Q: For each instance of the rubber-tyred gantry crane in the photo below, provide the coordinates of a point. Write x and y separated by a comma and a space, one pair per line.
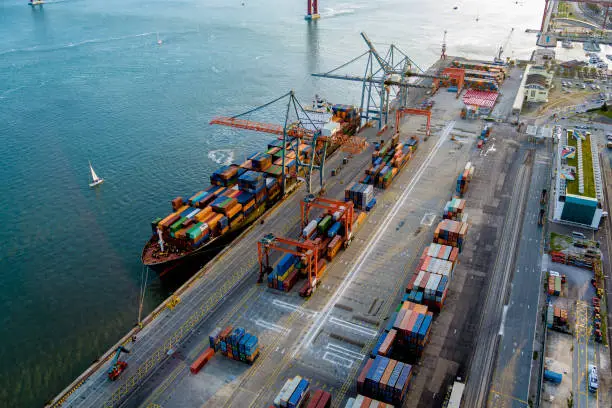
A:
345, 211
307, 251
410, 111
382, 74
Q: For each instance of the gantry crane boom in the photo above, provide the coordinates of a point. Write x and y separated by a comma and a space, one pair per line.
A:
503, 47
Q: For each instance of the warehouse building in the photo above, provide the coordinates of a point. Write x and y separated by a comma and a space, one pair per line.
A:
534, 87
579, 194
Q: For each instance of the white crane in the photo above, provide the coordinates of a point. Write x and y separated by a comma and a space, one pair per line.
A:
498, 58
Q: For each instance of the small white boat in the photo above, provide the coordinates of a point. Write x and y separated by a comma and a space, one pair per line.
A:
96, 180
159, 41
36, 3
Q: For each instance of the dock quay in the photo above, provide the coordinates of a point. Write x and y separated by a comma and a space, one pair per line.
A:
328, 336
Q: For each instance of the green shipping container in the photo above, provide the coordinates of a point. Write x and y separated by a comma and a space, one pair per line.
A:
194, 231
325, 224
156, 221
557, 284
387, 176
177, 225
275, 170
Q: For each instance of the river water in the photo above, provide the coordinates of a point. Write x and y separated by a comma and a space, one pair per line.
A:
87, 80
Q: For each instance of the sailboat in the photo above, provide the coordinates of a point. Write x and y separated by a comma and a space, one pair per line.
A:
96, 180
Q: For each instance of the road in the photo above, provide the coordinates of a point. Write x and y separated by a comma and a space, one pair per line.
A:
512, 375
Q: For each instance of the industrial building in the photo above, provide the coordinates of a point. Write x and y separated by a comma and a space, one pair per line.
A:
534, 87
578, 195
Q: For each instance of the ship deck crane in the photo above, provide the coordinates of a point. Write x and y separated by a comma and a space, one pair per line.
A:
498, 59
381, 74
292, 132
117, 366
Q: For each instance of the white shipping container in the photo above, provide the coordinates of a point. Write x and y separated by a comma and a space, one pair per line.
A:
289, 391
350, 403
282, 392
358, 401
418, 279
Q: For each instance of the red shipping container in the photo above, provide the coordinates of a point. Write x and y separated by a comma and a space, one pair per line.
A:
201, 360
314, 401
325, 400
366, 402
410, 285
362, 375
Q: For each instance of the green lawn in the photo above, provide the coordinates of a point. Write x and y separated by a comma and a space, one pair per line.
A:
589, 177
607, 113
559, 242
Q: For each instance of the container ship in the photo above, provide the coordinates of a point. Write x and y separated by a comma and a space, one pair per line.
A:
238, 195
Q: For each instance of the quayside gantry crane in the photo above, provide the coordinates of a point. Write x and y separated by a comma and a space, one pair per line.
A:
382, 74
300, 128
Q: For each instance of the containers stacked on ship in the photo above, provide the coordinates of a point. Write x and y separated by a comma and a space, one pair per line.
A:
385, 380
293, 394
226, 176
236, 344
284, 275
347, 116
464, 179
449, 232
454, 209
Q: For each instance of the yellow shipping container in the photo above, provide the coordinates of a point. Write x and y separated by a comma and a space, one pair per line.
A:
205, 213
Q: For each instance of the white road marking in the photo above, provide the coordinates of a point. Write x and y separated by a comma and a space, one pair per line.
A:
272, 326
342, 350
302, 311
354, 327
347, 362
376, 237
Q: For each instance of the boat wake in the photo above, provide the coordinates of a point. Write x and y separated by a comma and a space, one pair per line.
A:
76, 44
224, 157
342, 9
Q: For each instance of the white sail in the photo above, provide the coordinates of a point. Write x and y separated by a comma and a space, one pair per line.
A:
93, 174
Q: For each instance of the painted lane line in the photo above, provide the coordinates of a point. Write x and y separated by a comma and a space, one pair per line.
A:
354, 327
301, 311
272, 326
342, 350
354, 272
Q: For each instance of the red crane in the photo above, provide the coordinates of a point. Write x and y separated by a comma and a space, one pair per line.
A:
345, 209
312, 10
410, 111
307, 251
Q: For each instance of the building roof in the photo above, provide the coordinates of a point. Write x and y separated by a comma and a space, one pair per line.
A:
537, 79
480, 98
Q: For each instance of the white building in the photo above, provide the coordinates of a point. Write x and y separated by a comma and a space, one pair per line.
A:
534, 87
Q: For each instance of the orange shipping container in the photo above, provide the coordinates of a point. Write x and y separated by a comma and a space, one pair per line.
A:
204, 213
235, 209
201, 361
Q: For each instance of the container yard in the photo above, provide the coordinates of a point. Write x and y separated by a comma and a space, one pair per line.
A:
397, 297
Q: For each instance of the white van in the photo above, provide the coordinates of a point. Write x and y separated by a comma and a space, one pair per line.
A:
593, 380
578, 235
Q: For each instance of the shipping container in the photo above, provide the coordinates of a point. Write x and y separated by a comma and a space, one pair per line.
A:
201, 361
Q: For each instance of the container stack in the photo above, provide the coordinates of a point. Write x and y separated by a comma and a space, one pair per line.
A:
449, 232
363, 401
236, 344
320, 399
360, 194
226, 176
261, 161
554, 285
464, 179
333, 247
293, 394
559, 317
385, 380
388, 160
284, 275
413, 325
251, 182
454, 210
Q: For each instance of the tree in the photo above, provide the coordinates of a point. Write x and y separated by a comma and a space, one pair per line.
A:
593, 71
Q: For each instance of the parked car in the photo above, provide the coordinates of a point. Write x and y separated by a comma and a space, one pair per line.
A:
593, 379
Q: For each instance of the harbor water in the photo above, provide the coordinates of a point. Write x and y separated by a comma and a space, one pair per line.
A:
131, 87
